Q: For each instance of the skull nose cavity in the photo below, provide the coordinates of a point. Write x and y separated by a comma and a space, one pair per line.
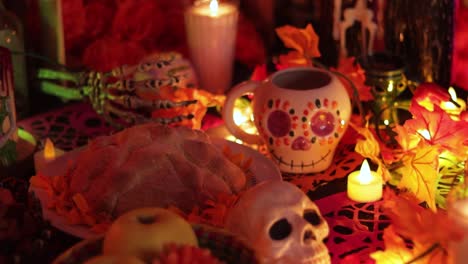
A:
300, 143
309, 236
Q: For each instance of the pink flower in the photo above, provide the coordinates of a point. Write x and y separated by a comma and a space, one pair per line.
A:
249, 45
109, 52
6, 198
74, 21
138, 20
98, 18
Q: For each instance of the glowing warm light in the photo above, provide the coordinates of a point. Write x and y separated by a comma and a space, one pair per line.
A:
214, 7
240, 116
425, 134
49, 150
44, 157
243, 117
386, 122
390, 86
342, 122
365, 185
452, 93
364, 176
452, 109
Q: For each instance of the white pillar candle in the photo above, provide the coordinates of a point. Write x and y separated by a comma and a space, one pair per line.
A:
365, 185
211, 32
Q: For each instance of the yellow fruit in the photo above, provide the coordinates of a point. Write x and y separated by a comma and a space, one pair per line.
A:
144, 233
113, 259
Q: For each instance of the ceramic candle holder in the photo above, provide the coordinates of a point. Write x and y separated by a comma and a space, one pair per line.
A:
301, 114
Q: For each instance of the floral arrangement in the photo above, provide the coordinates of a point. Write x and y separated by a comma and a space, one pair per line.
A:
423, 166
104, 34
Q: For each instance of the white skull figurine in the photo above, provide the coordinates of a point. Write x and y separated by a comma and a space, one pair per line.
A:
280, 223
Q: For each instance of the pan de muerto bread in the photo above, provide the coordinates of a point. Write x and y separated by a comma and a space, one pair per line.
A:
152, 165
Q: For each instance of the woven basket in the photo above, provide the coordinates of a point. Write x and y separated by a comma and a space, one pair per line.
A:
222, 245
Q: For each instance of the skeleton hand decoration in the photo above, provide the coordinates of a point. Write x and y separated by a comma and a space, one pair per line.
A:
134, 94
280, 223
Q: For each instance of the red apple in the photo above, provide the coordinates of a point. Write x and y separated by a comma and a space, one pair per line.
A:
144, 233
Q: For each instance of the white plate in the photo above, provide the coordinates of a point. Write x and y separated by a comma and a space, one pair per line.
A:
262, 169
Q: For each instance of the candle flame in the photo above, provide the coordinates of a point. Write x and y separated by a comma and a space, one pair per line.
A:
49, 150
365, 175
214, 7
452, 93
240, 116
425, 134
390, 86
243, 117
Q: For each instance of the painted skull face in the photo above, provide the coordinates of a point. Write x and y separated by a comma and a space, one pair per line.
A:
302, 132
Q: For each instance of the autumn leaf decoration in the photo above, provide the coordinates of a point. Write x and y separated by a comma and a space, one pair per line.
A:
416, 235
304, 44
304, 41
423, 139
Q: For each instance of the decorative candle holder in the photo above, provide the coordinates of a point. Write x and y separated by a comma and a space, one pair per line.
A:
211, 28
385, 76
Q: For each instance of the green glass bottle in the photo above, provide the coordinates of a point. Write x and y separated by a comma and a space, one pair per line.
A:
8, 127
11, 37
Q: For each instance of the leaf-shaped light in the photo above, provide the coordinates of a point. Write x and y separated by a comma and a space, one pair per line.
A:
440, 129
423, 227
419, 173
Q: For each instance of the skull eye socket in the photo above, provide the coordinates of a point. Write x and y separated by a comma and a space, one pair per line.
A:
279, 123
280, 230
312, 217
322, 123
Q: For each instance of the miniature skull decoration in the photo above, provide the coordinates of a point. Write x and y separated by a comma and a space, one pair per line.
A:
280, 223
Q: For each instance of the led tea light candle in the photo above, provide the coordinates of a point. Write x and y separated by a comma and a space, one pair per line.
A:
44, 157
211, 28
452, 109
365, 185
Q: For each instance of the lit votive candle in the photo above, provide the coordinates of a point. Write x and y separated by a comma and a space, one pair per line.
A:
365, 185
211, 28
452, 109
44, 157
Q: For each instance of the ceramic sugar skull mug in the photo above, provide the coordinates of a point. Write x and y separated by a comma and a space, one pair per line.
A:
301, 114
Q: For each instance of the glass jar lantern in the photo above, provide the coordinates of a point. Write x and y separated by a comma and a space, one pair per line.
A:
386, 78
